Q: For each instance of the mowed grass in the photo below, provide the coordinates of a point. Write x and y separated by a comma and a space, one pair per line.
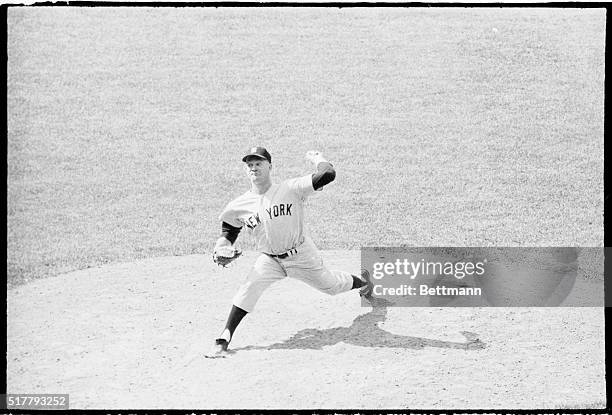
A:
448, 127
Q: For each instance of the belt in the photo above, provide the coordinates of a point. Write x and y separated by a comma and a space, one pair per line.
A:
290, 252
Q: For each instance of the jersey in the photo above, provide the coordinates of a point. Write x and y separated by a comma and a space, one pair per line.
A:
276, 217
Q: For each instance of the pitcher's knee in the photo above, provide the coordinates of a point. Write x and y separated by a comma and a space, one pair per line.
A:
333, 290
246, 302
248, 295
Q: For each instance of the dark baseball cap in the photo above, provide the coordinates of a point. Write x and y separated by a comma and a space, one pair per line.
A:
258, 152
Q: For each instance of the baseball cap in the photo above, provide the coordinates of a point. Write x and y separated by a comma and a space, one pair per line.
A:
259, 152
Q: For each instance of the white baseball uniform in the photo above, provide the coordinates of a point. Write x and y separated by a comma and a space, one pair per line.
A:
276, 219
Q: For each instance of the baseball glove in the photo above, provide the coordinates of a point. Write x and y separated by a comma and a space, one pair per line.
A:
225, 255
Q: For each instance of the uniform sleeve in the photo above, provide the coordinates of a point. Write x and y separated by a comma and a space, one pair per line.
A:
301, 185
230, 216
229, 232
325, 174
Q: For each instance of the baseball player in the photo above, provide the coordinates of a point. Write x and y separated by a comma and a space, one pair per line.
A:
274, 213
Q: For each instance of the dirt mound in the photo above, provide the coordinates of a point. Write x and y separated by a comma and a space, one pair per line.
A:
133, 335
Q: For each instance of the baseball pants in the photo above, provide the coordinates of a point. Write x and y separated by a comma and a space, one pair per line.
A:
306, 265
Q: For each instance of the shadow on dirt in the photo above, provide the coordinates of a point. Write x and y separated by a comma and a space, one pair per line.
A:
365, 332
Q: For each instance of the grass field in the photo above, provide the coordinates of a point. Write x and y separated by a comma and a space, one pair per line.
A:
447, 126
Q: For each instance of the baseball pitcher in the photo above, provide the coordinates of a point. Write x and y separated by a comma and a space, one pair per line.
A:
275, 215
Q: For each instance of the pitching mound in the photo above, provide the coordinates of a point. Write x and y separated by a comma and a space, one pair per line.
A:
133, 336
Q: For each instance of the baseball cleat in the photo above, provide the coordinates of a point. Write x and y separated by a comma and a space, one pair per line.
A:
366, 290
218, 350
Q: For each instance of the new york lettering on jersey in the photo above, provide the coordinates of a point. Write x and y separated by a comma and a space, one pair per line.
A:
281, 209
252, 221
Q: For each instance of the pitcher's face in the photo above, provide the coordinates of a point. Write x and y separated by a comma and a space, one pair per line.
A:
258, 170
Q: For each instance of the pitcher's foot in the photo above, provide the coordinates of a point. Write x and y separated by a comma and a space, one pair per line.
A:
219, 349
366, 290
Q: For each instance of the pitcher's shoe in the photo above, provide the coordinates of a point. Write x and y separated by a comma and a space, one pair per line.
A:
218, 350
366, 290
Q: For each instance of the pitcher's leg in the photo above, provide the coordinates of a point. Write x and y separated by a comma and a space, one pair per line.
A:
264, 273
342, 281
308, 267
335, 281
